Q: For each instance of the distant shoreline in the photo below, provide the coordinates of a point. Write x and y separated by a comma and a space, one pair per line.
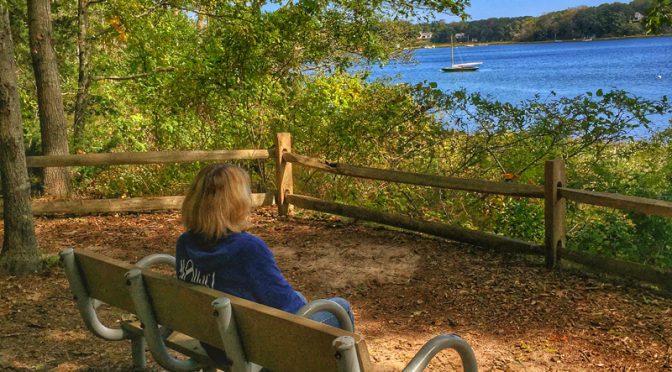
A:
447, 45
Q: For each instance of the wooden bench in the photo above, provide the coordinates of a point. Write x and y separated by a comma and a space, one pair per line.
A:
252, 335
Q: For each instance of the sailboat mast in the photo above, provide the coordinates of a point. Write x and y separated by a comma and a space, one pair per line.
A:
452, 46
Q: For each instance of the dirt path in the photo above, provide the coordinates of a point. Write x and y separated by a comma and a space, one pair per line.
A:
404, 288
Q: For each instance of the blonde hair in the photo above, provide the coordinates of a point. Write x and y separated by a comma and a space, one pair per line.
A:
218, 202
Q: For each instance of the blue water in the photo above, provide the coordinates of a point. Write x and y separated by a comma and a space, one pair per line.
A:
515, 72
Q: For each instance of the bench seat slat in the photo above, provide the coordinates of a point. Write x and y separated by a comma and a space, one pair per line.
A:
272, 338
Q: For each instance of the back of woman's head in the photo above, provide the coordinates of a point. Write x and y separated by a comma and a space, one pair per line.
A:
218, 202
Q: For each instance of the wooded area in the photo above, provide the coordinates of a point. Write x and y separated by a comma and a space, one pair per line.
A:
605, 20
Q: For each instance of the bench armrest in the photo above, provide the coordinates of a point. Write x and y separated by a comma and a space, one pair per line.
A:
329, 306
439, 343
87, 305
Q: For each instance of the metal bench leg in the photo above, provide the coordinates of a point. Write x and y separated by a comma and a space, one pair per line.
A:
226, 323
438, 343
151, 330
346, 355
85, 303
87, 309
138, 353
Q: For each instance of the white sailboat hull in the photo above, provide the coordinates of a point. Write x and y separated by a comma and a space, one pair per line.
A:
468, 64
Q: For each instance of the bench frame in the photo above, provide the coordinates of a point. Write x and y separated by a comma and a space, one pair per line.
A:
149, 334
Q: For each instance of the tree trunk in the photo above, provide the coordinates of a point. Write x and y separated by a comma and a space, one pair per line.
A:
53, 127
19, 253
81, 101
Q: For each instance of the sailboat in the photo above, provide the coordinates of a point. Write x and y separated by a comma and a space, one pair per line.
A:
459, 67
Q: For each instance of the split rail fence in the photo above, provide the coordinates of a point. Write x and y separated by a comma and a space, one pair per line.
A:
554, 192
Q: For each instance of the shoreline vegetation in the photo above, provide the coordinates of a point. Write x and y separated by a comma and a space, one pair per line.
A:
475, 44
606, 21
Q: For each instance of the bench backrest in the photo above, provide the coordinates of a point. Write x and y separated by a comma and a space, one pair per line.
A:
272, 338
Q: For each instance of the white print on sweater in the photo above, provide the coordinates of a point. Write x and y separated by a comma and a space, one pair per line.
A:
189, 273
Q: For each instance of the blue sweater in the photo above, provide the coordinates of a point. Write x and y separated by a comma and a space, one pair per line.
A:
239, 264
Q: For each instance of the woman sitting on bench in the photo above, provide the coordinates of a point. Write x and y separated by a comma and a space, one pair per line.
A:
216, 252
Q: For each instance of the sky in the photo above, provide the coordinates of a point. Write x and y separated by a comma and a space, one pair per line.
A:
482, 9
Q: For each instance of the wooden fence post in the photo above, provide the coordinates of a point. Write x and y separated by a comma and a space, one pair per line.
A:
554, 211
283, 172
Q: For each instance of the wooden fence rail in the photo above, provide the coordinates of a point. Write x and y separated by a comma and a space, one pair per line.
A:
631, 203
143, 204
621, 268
475, 237
454, 183
156, 157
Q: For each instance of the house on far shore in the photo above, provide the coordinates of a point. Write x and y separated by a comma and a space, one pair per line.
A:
424, 36
638, 17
